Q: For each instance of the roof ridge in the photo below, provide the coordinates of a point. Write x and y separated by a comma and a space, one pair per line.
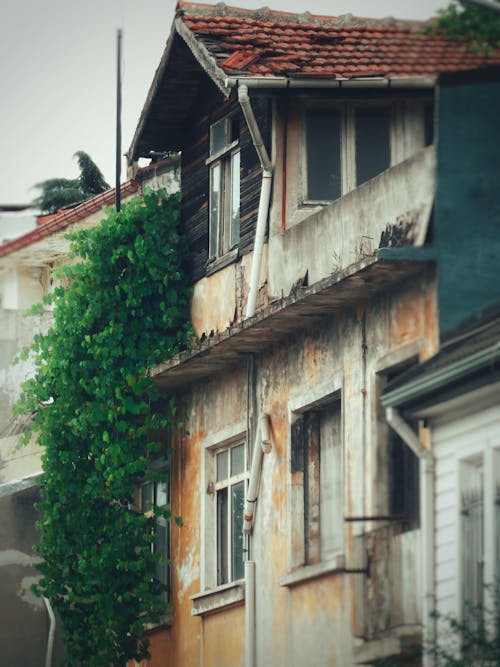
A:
220, 9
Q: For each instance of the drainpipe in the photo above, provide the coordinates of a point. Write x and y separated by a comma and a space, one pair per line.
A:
265, 194
52, 629
426, 462
262, 446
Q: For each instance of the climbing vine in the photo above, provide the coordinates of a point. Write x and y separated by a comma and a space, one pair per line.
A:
96, 413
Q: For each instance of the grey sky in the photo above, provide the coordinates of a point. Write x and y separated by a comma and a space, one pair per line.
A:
58, 76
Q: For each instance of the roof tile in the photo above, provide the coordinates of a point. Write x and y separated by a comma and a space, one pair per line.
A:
274, 43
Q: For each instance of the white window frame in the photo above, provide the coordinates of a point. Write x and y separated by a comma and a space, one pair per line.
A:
227, 484
487, 457
406, 135
317, 398
223, 233
229, 437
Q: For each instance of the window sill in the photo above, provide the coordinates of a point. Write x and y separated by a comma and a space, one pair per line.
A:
307, 572
164, 622
218, 598
215, 265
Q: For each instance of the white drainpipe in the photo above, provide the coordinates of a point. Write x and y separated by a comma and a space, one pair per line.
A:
265, 194
262, 446
426, 461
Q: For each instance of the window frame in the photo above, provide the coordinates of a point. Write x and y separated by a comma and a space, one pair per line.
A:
300, 566
214, 443
228, 483
401, 116
484, 454
224, 232
160, 467
387, 439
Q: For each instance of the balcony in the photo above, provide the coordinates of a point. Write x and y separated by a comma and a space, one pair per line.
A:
387, 597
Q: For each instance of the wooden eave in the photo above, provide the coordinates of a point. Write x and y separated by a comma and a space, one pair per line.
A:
283, 318
172, 95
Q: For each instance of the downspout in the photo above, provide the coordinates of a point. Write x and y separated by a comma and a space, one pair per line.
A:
52, 629
426, 462
262, 446
265, 194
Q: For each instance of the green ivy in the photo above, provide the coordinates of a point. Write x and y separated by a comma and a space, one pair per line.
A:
478, 25
126, 308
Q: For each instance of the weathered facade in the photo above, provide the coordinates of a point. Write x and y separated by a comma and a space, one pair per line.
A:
308, 180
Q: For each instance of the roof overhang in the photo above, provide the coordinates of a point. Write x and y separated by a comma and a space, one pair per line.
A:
183, 65
284, 317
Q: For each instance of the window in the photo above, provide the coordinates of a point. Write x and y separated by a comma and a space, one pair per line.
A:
157, 493
229, 488
399, 466
472, 531
224, 165
316, 456
345, 146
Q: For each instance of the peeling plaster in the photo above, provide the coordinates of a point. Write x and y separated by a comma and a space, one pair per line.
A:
28, 596
186, 573
14, 557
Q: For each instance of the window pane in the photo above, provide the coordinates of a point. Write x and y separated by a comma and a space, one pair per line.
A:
237, 500
162, 547
237, 459
429, 124
147, 496
331, 505
218, 136
372, 143
161, 493
222, 460
222, 536
323, 155
235, 198
472, 511
215, 208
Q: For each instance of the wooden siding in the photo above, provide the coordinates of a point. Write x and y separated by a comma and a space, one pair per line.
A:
453, 441
210, 108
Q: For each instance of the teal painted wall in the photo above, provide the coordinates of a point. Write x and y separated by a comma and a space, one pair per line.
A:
467, 211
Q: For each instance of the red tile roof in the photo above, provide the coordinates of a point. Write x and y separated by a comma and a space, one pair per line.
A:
270, 43
68, 217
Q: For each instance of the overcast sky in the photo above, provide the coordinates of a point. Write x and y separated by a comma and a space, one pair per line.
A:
58, 76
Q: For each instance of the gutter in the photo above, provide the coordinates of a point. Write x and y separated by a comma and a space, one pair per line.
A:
265, 195
427, 481
299, 82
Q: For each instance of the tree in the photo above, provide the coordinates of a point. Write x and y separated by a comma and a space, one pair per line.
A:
465, 20
59, 192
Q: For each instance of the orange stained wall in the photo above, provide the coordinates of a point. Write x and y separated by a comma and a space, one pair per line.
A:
311, 622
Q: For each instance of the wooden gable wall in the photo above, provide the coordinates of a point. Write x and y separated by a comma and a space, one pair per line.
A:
209, 108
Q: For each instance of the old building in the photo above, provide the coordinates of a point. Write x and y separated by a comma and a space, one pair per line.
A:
321, 270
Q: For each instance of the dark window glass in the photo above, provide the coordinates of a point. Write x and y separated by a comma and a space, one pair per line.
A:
373, 153
429, 124
403, 480
323, 155
222, 536
238, 500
